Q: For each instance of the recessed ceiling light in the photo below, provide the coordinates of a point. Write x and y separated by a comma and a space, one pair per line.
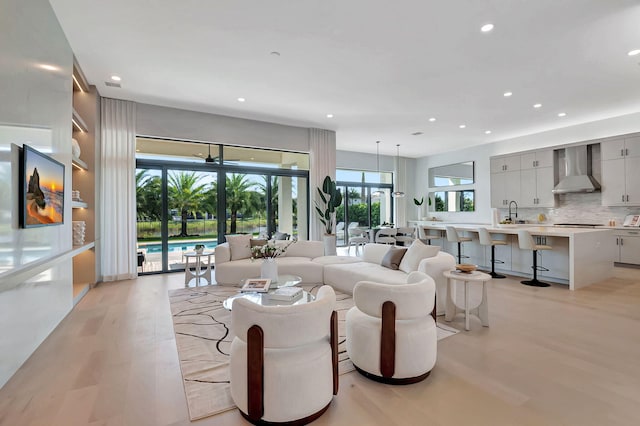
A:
634, 52
487, 132
432, 119
507, 94
241, 99
486, 28
116, 78
562, 114
48, 67
329, 115
462, 126
537, 105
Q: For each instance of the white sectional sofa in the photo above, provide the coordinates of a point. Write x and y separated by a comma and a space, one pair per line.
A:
305, 259
344, 276
297, 260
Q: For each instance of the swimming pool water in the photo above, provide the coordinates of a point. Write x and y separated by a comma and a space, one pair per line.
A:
185, 246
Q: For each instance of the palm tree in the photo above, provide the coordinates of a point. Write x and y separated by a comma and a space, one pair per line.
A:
238, 197
262, 187
185, 195
148, 195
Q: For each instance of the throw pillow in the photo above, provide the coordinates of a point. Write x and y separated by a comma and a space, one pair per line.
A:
393, 258
416, 252
255, 242
240, 246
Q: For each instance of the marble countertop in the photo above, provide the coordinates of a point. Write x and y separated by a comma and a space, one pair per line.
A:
535, 229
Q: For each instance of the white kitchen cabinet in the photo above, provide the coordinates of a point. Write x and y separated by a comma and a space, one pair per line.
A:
506, 163
536, 185
621, 173
620, 148
536, 159
505, 180
627, 246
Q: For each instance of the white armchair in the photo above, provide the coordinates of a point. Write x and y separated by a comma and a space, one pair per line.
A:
284, 359
391, 330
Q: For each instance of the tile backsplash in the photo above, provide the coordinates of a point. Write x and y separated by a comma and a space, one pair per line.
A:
576, 208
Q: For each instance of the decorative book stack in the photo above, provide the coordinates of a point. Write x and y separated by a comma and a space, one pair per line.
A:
286, 293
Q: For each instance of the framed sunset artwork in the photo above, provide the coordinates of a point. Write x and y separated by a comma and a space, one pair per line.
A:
42, 194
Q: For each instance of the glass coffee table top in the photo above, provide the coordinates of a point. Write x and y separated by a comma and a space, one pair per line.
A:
285, 280
263, 299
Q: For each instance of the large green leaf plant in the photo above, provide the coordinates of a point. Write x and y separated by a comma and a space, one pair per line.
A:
330, 199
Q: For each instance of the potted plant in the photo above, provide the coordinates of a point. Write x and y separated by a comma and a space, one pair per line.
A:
330, 199
418, 203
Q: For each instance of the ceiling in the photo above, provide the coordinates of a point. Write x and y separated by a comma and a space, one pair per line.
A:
381, 68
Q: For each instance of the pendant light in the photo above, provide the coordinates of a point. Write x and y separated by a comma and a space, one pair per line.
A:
377, 193
398, 193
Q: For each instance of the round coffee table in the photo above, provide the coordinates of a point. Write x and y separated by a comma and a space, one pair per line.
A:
285, 280
263, 299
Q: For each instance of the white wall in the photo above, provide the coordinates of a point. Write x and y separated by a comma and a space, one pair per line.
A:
31, 307
172, 123
570, 205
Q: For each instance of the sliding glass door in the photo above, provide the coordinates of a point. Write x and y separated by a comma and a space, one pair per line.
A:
183, 202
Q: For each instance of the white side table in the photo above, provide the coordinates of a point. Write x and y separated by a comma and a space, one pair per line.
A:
481, 311
202, 270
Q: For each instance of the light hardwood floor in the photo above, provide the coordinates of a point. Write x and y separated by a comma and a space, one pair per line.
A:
550, 357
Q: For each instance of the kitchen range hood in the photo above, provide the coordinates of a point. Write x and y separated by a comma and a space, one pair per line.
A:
577, 172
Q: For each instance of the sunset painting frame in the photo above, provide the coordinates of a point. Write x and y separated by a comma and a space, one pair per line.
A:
42, 189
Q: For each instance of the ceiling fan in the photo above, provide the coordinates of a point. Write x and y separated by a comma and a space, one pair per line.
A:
209, 158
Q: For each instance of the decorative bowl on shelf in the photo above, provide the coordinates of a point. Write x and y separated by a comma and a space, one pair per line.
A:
467, 268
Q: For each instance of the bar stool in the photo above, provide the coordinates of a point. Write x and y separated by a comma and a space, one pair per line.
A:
525, 241
486, 240
452, 236
424, 234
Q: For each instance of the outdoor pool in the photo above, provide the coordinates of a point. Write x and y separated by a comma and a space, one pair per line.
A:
183, 246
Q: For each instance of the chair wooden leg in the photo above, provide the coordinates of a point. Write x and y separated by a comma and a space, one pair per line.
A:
334, 350
255, 373
388, 340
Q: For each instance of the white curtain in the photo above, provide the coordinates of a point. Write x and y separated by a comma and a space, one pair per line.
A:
322, 156
118, 190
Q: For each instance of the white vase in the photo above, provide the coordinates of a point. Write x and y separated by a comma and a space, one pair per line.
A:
329, 244
269, 269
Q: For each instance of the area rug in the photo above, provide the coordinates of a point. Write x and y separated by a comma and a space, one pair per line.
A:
203, 338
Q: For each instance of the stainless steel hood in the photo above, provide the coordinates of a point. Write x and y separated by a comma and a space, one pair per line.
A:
577, 172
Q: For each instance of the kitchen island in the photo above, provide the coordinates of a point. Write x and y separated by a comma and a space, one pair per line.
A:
580, 256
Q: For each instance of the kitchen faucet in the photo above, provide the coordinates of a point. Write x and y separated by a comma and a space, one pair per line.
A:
510, 220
